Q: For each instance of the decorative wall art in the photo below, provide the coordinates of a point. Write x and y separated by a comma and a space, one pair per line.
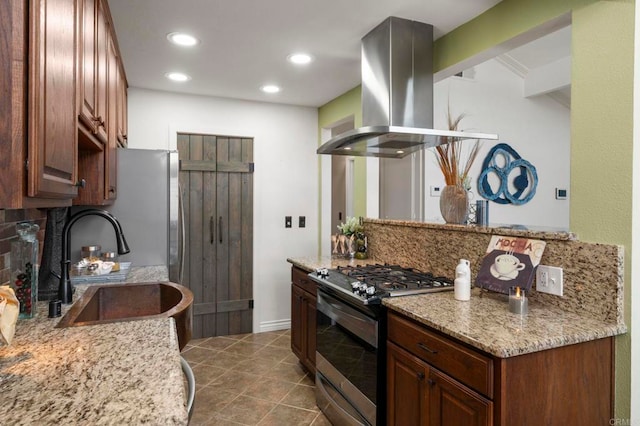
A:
512, 188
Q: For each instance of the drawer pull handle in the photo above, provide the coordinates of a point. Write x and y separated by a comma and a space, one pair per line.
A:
431, 382
421, 376
426, 348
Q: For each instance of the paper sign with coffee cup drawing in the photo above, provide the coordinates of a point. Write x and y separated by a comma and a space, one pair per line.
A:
509, 262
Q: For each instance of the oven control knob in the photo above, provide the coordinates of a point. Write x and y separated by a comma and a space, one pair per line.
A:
371, 290
363, 288
355, 286
322, 272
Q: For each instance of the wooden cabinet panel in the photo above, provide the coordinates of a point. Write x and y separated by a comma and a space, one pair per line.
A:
52, 140
407, 392
101, 77
297, 303
466, 365
111, 159
452, 404
122, 110
303, 318
537, 388
87, 89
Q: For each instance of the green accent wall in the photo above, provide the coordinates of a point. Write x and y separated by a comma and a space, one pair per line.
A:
348, 105
601, 120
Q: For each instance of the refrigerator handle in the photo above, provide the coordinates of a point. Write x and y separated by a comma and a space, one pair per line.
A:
182, 233
220, 229
211, 230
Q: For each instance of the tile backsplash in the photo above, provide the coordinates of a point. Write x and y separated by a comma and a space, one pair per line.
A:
8, 221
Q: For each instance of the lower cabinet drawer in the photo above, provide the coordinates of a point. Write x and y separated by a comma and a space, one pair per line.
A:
299, 277
466, 365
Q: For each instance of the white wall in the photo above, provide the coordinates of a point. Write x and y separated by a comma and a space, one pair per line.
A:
537, 128
285, 179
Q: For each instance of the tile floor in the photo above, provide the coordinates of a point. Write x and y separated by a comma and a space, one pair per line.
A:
251, 379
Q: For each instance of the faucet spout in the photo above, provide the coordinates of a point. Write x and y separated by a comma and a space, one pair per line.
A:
65, 291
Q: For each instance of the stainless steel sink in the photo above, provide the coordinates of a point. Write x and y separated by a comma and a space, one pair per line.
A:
129, 302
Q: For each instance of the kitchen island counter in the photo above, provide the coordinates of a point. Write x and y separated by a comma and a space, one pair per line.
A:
119, 373
485, 322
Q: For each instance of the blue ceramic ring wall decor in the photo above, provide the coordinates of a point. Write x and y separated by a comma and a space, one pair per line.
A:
518, 191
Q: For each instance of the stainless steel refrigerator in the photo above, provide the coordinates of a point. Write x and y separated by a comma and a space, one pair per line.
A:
147, 207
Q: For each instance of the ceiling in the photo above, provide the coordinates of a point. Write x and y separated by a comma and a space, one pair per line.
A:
244, 43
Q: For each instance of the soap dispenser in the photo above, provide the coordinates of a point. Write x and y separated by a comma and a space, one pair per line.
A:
462, 283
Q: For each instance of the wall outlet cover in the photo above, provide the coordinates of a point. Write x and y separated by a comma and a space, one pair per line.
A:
549, 280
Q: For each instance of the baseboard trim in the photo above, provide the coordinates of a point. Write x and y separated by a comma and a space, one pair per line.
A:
275, 325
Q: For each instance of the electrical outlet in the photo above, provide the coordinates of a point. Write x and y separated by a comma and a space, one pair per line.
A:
549, 280
287, 221
302, 221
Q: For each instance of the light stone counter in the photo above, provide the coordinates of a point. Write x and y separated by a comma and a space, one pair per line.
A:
485, 322
120, 373
312, 263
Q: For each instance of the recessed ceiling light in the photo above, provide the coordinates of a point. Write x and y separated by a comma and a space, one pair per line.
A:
270, 88
399, 151
299, 58
177, 76
182, 39
347, 148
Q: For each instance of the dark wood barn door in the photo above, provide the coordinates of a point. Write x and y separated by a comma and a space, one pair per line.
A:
216, 184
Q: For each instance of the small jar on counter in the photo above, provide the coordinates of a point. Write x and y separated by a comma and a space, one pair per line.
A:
91, 253
111, 256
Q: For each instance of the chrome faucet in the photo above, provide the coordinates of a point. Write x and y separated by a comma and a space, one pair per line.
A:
65, 291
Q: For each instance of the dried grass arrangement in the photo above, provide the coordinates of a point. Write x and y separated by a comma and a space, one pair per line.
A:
453, 162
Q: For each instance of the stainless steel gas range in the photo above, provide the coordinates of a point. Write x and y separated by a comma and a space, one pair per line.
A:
350, 336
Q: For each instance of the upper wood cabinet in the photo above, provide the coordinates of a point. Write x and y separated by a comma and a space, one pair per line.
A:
92, 70
52, 132
55, 106
38, 143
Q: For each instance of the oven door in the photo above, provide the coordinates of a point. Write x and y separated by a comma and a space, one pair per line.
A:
346, 361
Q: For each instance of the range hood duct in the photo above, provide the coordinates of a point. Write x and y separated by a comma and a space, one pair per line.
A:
397, 95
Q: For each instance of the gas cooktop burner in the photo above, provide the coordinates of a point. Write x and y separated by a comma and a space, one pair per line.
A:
370, 283
392, 277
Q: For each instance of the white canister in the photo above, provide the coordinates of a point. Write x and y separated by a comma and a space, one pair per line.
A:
462, 283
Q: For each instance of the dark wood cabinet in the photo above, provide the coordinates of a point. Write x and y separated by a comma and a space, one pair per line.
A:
52, 113
407, 390
419, 394
303, 318
37, 107
52, 137
433, 379
99, 105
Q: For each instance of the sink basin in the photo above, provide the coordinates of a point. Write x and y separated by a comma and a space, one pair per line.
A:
129, 302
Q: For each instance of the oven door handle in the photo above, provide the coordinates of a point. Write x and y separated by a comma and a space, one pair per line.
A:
353, 320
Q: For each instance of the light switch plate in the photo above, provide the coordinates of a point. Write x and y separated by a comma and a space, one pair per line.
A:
435, 191
549, 280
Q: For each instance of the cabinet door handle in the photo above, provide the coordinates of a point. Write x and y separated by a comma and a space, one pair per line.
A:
426, 348
99, 120
81, 183
421, 376
211, 230
112, 189
220, 229
431, 382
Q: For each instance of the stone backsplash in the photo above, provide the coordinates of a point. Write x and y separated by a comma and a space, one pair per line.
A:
8, 221
592, 272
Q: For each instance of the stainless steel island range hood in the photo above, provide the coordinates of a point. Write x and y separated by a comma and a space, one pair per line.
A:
397, 95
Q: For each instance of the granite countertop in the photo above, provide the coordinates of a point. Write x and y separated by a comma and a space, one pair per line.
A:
119, 373
485, 322
311, 263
